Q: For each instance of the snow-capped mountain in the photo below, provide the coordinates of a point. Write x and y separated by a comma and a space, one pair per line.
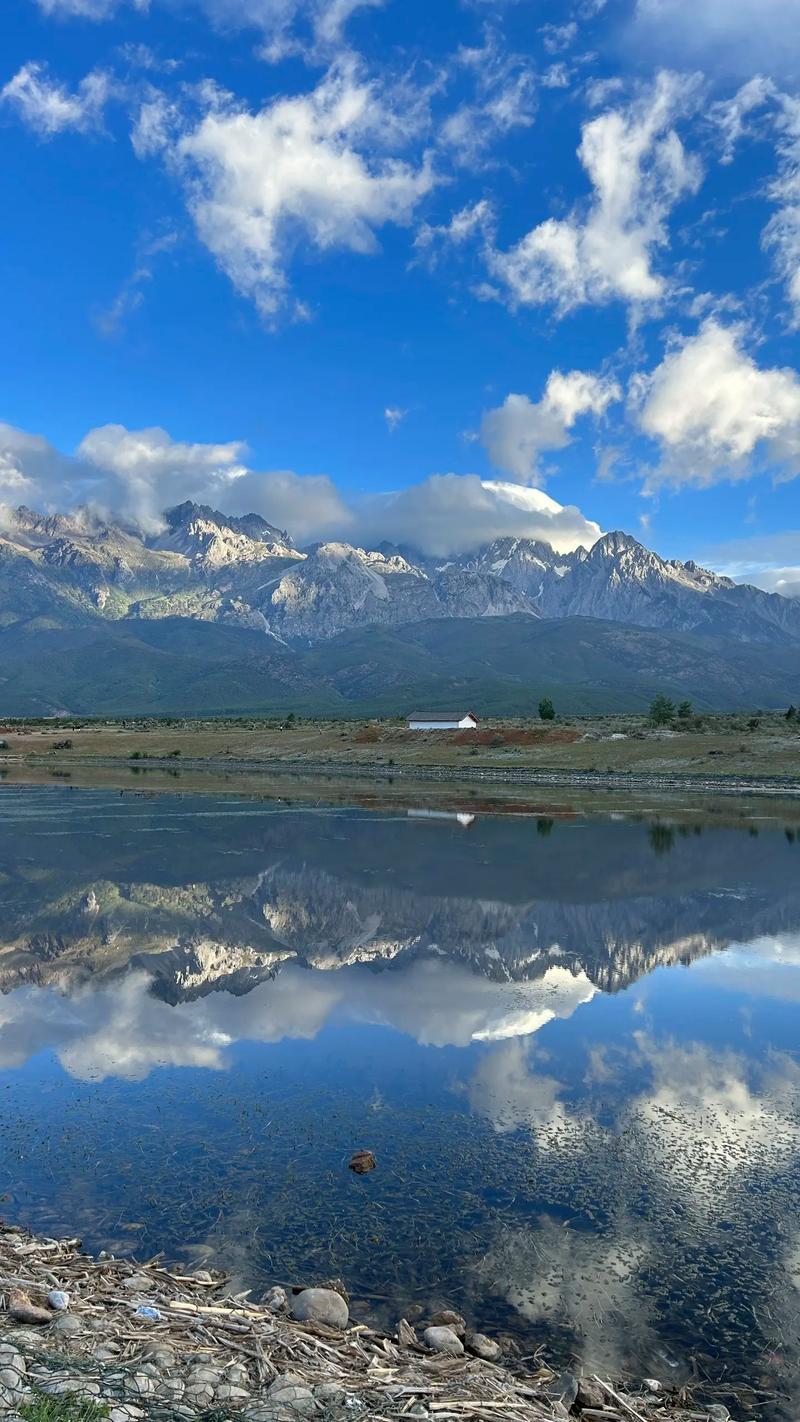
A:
206, 566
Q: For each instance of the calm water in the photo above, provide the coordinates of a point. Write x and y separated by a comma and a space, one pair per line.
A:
572, 1042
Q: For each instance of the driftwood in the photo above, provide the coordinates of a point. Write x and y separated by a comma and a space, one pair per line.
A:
378, 1377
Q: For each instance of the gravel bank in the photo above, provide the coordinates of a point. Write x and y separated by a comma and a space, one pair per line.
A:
142, 1341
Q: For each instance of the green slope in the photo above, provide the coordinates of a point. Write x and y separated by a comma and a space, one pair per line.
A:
495, 665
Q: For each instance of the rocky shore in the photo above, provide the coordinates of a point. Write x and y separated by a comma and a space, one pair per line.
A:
83, 1338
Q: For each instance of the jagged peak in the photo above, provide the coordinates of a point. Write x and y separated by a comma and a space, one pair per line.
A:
252, 525
610, 544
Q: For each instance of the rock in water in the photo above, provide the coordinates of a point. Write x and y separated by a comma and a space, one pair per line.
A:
320, 1306
362, 1161
483, 1347
24, 1310
444, 1340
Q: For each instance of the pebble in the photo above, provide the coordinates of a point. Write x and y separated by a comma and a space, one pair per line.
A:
229, 1392
564, 1389
320, 1306
290, 1392
591, 1394
67, 1323
362, 1161
140, 1384
717, 1412
138, 1283
483, 1347
58, 1300
124, 1412
444, 1339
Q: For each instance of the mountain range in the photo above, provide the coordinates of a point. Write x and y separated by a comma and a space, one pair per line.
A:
218, 613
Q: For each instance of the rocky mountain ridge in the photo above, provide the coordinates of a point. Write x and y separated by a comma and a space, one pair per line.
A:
243, 571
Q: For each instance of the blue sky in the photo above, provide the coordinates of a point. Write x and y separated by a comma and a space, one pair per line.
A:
385, 268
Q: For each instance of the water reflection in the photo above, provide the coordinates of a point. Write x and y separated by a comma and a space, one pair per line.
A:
572, 1043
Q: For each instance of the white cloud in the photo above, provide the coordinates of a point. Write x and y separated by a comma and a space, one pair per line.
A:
86, 9
730, 115
782, 232
504, 99
48, 107
715, 412
516, 433
394, 416
278, 20
453, 513
136, 474
729, 36
768, 560
639, 170
475, 219
558, 37
302, 170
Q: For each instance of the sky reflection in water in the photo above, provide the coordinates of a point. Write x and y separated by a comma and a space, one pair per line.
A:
572, 1044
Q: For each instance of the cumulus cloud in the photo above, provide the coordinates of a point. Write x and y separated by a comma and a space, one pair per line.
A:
135, 474
453, 513
723, 36
639, 170
716, 413
121, 1030
306, 170
519, 431
87, 9
48, 107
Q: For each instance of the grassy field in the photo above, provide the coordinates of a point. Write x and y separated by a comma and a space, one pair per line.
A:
759, 747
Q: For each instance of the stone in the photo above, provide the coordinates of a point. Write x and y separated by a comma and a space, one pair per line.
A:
652, 1384
67, 1323
563, 1389
24, 1310
290, 1393
202, 1374
443, 1339
107, 1352
331, 1394
58, 1300
405, 1335
12, 1379
320, 1306
237, 1373
591, 1394
483, 1347
202, 1276
276, 1300
448, 1318
362, 1161
718, 1412
138, 1284
140, 1384
229, 1392
171, 1389
124, 1412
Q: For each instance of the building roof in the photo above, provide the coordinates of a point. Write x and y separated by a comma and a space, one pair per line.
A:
440, 715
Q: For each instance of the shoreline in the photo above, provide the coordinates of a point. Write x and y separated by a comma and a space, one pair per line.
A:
143, 1340
671, 782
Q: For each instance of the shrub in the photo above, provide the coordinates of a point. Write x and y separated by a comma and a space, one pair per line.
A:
662, 710
685, 710
547, 711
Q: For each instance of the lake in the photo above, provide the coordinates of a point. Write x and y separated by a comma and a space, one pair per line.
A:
571, 1038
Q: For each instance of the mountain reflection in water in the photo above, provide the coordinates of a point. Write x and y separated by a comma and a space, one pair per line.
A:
571, 1042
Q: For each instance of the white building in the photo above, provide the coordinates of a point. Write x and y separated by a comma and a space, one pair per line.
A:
442, 721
